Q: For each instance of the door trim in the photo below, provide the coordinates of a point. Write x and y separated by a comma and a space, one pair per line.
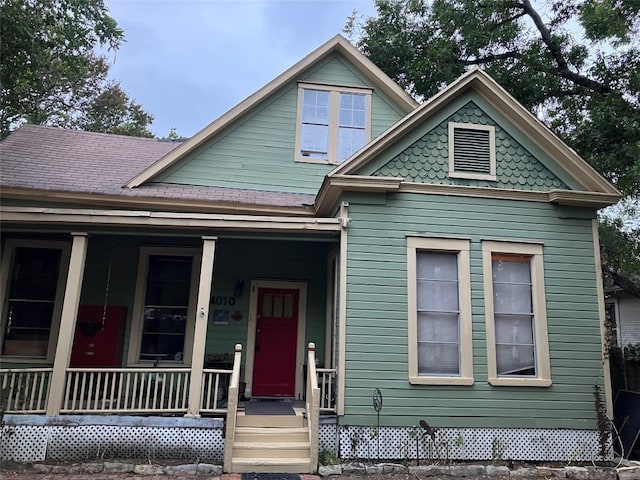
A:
251, 329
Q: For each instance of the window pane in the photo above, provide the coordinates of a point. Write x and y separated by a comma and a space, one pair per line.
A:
169, 280
438, 328
352, 110
438, 359
437, 266
288, 306
511, 269
350, 140
314, 141
437, 295
35, 273
315, 107
514, 329
512, 298
515, 360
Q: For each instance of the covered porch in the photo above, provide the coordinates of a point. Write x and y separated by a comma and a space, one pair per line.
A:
168, 321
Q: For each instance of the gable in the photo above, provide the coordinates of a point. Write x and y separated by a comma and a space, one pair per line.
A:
427, 159
257, 151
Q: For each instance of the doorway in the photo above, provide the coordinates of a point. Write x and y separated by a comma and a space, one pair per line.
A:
275, 346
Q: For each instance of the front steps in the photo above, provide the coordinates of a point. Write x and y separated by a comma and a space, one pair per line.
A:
271, 444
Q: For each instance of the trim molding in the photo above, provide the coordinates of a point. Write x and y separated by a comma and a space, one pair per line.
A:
161, 203
142, 218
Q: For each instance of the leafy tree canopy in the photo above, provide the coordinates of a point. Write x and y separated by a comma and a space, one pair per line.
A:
51, 75
575, 63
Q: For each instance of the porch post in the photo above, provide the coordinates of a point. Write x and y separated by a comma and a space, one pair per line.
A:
67, 323
200, 330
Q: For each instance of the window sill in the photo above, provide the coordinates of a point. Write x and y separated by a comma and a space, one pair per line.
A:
441, 380
318, 161
520, 382
41, 361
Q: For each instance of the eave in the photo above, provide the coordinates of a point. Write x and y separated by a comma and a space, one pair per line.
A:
152, 203
98, 218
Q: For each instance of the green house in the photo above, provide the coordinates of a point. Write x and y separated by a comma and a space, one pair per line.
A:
327, 266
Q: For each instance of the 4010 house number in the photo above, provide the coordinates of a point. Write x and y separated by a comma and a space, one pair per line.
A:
221, 300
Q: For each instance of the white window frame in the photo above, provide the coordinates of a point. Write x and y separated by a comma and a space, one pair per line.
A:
444, 245
7, 267
492, 151
334, 113
541, 353
133, 358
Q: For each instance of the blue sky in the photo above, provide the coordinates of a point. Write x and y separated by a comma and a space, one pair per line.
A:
189, 61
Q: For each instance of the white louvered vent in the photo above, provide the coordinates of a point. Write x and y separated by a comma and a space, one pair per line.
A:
472, 151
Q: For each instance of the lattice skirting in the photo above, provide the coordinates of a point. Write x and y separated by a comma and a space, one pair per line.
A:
469, 444
87, 442
30, 443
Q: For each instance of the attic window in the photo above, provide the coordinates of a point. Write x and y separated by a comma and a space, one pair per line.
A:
472, 151
333, 122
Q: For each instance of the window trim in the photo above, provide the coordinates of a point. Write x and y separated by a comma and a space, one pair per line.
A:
334, 111
133, 356
543, 365
492, 151
461, 248
7, 266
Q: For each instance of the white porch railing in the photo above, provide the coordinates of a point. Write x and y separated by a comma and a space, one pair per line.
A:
326, 382
24, 390
126, 390
215, 390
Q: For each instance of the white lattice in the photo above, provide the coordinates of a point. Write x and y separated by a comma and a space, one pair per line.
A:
468, 444
105, 442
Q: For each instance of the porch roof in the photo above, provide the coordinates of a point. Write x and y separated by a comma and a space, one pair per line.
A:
47, 159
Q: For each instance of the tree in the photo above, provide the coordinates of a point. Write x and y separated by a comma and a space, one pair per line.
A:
575, 63
50, 73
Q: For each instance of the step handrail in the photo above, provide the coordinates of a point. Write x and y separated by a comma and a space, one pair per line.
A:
313, 405
232, 408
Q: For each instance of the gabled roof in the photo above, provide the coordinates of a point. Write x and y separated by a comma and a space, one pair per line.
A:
336, 44
497, 96
83, 167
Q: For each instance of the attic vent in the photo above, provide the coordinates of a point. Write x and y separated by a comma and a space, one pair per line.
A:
472, 151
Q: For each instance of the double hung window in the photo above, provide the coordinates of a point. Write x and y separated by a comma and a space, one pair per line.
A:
164, 305
439, 311
332, 123
517, 348
33, 284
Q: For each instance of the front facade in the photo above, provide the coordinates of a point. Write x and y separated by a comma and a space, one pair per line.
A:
444, 256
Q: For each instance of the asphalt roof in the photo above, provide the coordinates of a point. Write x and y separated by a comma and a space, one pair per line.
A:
61, 160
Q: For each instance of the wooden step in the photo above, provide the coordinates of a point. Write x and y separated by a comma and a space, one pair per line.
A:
266, 434
243, 420
271, 449
271, 465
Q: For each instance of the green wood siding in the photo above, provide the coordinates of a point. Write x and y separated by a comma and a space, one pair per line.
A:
377, 331
257, 152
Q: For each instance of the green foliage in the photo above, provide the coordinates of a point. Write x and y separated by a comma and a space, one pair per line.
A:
327, 457
622, 246
587, 91
50, 74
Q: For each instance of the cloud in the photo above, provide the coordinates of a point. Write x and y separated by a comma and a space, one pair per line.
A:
187, 62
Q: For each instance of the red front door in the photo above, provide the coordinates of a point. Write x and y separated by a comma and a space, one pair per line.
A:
274, 368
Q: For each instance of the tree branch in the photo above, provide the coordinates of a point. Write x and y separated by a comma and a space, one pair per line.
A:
491, 58
556, 52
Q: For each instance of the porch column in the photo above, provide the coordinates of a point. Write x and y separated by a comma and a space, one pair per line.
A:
67, 323
200, 330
